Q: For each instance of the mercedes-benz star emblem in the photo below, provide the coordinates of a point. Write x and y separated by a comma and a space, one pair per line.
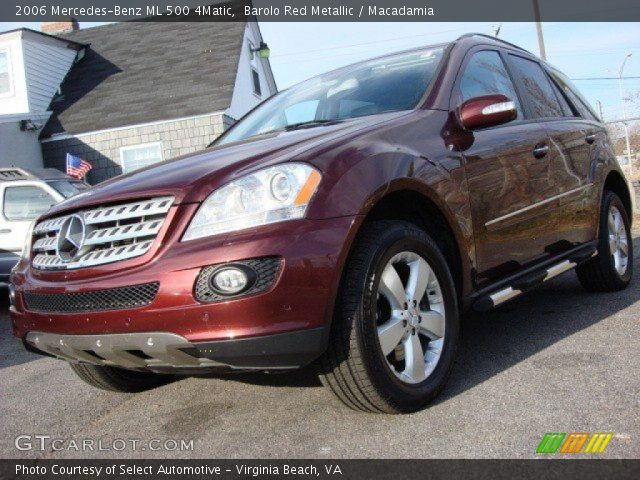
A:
71, 238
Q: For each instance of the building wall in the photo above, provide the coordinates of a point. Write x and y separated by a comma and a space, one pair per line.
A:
244, 98
17, 148
46, 62
102, 149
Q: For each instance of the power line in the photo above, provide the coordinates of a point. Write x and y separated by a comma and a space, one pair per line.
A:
607, 78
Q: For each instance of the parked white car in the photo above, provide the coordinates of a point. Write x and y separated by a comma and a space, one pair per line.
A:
24, 195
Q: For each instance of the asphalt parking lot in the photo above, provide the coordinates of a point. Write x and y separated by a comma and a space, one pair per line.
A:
556, 360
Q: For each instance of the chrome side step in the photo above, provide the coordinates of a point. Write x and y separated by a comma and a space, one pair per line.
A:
559, 268
530, 280
504, 295
508, 293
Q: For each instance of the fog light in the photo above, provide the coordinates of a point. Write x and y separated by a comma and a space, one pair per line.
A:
230, 281
224, 281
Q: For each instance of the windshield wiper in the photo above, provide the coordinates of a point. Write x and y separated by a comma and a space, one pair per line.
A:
311, 124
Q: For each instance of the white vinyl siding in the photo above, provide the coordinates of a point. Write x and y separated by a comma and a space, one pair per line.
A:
46, 65
139, 156
245, 92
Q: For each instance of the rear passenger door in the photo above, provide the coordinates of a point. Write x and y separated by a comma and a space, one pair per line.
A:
571, 140
507, 172
585, 140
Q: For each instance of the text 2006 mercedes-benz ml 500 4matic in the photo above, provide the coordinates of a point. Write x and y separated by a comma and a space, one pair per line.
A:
346, 222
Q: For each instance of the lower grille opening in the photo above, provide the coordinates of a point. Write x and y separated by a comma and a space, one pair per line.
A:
95, 301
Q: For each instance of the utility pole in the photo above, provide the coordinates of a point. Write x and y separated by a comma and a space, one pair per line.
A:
624, 114
536, 14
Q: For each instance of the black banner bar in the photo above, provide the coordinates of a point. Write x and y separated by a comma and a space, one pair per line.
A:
408, 469
322, 10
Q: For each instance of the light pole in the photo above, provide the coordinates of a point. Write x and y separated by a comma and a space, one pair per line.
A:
624, 114
600, 109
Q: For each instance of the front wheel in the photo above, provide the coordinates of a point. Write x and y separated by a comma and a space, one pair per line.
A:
396, 326
612, 268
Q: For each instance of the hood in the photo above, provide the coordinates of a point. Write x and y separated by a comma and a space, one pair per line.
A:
191, 178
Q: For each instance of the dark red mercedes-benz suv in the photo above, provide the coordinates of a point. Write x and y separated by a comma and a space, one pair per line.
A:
346, 221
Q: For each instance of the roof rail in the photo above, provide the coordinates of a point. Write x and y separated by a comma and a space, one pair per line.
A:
13, 174
468, 35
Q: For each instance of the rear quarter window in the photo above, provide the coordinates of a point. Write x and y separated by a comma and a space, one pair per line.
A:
573, 94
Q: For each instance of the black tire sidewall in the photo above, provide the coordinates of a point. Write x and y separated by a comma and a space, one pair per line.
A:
395, 240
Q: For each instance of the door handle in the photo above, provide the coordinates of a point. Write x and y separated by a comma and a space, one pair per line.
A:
540, 151
590, 138
5, 230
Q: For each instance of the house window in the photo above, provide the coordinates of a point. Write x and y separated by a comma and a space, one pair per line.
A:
5, 74
256, 82
140, 156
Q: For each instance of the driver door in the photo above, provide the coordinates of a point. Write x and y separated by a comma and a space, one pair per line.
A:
507, 173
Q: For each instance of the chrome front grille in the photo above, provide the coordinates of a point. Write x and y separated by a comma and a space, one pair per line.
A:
100, 235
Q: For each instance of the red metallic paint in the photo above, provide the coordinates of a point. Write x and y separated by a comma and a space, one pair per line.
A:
472, 114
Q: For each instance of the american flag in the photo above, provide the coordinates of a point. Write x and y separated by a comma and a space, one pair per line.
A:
77, 167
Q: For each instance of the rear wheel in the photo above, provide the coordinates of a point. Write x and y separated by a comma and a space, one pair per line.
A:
117, 379
395, 330
612, 268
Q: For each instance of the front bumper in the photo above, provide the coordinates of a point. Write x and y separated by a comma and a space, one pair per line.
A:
300, 300
166, 352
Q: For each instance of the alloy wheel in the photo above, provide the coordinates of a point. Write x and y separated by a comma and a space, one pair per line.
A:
618, 241
410, 317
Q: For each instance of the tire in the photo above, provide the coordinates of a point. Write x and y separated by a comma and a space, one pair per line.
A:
354, 366
117, 379
599, 274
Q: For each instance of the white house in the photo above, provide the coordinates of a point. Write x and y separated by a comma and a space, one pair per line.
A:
32, 67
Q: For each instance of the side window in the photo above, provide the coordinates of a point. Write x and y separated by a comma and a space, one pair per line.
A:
256, 82
537, 88
26, 202
574, 96
564, 105
5, 73
485, 74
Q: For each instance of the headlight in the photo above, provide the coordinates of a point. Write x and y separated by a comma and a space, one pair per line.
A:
272, 195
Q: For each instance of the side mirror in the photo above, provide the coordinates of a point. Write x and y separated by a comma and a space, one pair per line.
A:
486, 111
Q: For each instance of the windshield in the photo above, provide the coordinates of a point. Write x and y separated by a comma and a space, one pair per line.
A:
388, 84
68, 189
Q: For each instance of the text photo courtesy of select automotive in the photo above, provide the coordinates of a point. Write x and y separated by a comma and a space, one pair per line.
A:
301, 239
